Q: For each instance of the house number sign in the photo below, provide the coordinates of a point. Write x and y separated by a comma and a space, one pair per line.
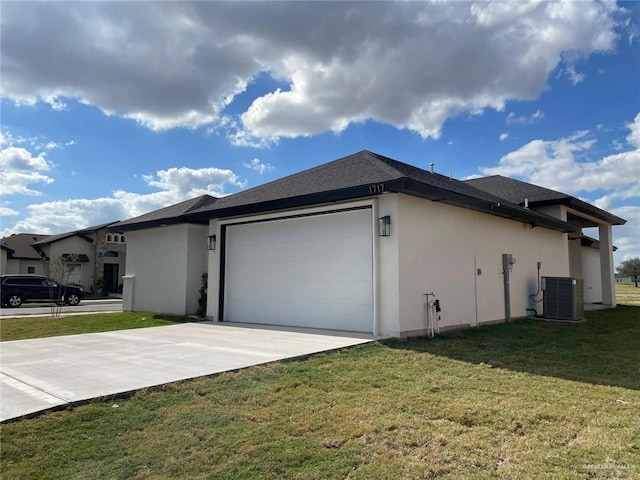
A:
376, 188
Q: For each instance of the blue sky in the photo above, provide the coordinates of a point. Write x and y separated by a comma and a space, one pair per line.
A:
110, 110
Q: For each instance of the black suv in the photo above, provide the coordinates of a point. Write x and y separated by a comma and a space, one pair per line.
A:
17, 289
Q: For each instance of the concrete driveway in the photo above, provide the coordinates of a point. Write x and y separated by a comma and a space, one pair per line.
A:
45, 373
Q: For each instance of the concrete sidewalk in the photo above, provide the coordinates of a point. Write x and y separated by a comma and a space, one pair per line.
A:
44, 373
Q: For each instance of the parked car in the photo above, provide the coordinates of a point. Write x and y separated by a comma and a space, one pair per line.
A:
18, 289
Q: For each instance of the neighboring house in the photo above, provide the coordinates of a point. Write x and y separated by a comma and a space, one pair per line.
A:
356, 244
95, 257
21, 256
624, 279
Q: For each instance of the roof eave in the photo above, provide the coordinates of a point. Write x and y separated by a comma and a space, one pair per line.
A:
500, 209
165, 222
300, 201
403, 185
583, 207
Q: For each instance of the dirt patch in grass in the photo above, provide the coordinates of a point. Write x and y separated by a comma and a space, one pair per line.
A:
509, 401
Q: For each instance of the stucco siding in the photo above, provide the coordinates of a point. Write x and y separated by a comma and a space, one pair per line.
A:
435, 256
196, 264
441, 249
388, 272
495, 236
157, 261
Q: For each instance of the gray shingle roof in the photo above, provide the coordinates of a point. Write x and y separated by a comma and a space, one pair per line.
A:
167, 216
516, 191
363, 174
353, 177
360, 169
21, 245
81, 233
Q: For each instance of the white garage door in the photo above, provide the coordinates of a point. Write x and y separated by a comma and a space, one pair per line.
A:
313, 271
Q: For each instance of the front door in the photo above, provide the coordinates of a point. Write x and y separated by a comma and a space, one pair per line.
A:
111, 277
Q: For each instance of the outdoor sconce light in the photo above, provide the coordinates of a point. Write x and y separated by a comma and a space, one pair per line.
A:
211, 242
384, 226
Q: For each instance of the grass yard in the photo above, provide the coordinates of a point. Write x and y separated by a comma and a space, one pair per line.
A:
22, 328
627, 294
526, 400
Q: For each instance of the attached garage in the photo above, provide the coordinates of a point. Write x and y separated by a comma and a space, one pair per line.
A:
312, 271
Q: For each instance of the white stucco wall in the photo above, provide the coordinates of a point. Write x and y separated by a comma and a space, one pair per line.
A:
441, 248
196, 264
592, 277
388, 269
166, 264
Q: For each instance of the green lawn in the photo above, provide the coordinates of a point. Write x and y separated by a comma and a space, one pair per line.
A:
527, 400
22, 328
627, 294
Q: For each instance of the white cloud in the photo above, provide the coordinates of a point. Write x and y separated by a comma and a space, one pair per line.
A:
634, 135
524, 120
174, 185
35, 143
409, 64
189, 182
504, 136
8, 212
259, 166
19, 169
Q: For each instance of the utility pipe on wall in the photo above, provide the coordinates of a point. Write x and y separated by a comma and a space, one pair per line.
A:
507, 262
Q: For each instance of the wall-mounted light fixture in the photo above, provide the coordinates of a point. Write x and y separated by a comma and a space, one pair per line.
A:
211, 242
384, 226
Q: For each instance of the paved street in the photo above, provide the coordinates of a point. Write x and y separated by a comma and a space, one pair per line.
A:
44, 309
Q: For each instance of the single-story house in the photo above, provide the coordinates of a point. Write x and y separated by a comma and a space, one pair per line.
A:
364, 243
93, 257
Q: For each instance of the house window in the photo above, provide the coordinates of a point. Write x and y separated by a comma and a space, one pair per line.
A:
31, 269
110, 253
115, 238
75, 273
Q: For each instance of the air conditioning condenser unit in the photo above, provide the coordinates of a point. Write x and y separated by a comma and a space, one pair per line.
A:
563, 298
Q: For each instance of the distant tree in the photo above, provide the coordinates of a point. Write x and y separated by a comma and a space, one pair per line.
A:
58, 270
630, 268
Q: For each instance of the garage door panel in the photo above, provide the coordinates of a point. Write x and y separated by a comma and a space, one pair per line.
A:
305, 271
307, 250
312, 271
324, 228
318, 315
308, 292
